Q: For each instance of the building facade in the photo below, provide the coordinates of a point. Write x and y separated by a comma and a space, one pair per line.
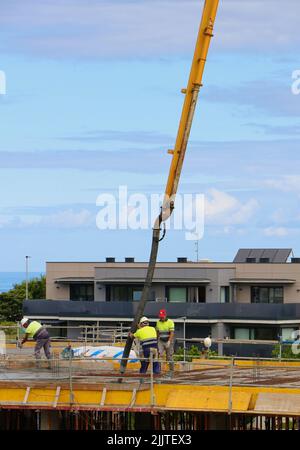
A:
256, 297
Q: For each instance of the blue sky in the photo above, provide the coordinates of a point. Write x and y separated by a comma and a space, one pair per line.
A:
93, 102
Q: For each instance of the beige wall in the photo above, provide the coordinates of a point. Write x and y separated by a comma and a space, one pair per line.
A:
62, 270
270, 272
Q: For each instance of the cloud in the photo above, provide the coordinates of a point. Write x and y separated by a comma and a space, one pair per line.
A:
69, 219
100, 160
276, 231
132, 136
222, 208
252, 160
64, 219
287, 183
145, 28
267, 96
280, 130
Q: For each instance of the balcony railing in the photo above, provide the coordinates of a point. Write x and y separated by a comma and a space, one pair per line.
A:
254, 311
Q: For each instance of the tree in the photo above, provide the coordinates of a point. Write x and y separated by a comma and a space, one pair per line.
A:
11, 302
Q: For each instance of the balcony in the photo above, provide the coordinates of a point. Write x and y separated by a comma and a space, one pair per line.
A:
60, 309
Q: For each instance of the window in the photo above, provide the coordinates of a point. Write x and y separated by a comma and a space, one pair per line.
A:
176, 294
271, 294
276, 295
137, 295
197, 294
224, 294
124, 293
202, 294
266, 334
243, 333
82, 292
256, 333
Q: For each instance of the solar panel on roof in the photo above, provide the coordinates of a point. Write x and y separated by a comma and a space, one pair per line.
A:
241, 255
282, 255
274, 255
256, 253
268, 253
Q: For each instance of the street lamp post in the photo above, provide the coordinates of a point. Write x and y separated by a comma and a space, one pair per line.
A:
26, 295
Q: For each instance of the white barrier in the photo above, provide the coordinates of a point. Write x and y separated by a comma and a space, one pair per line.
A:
104, 351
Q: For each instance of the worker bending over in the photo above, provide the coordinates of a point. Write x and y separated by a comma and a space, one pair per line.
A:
36, 331
148, 339
165, 331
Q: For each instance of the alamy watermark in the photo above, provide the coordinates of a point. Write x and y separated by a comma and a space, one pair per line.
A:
296, 344
296, 83
138, 211
2, 83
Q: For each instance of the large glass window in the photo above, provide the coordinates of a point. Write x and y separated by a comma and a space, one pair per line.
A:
266, 334
256, 333
177, 294
125, 293
267, 294
82, 292
243, 333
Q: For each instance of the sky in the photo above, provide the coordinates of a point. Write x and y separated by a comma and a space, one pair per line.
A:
93, 101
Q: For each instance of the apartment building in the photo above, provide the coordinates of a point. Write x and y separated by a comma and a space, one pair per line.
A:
255, 297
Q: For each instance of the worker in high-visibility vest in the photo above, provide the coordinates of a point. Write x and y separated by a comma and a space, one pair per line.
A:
165, 332
148, 339
37, 332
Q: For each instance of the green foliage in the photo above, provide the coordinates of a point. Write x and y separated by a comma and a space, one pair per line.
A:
11, 301
213, 354
191, 353
286, 352
10, 308
194, 352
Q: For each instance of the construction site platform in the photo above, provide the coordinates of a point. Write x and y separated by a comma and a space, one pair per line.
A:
230, 386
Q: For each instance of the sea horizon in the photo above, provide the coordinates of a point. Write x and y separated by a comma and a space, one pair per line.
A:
9, 279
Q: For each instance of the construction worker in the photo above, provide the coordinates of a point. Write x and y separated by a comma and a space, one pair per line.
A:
36, 331
165, 333
68, 352
148, 339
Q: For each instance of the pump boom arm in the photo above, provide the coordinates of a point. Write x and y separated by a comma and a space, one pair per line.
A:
191, 96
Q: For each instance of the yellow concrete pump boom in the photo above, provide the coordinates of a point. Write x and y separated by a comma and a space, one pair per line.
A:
191, 95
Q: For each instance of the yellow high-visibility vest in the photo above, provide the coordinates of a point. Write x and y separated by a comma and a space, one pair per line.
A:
32, 328
147, 335
164, 327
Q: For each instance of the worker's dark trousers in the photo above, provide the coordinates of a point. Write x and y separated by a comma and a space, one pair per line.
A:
42, 341
145, 363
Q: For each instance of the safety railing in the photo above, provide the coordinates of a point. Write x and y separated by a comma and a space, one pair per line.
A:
242, 372
80, 333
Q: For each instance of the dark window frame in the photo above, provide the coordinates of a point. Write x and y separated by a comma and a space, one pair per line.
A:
227, 293
270, 294
76, 294
271, 333
128, 297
